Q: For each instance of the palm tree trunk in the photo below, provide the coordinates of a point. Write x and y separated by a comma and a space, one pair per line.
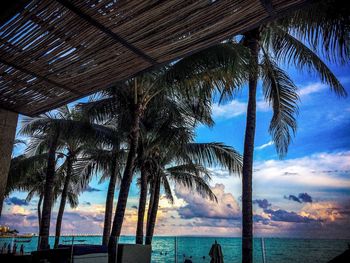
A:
252, 38
39, 214
153, 214
48, 194
142, 207
109, 201
63, 201
151, 201
125, 184
39, 209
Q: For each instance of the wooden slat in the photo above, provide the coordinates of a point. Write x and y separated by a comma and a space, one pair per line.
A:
55, 51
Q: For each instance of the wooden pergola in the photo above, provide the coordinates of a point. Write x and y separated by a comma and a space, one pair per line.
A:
53, 52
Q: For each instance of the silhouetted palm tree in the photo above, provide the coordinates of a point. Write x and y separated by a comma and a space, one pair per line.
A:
50, 128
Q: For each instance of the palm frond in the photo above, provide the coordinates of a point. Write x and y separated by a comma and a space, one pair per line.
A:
289, 49
325, 26
167, 189
281, 93
192, 182
215, 153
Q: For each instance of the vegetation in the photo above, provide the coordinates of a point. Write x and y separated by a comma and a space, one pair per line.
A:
143, 128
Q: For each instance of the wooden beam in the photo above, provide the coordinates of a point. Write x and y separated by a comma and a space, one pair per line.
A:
267, 4
8, 8
29, 72
107, 31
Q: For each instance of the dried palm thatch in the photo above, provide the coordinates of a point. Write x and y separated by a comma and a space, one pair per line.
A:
53, 52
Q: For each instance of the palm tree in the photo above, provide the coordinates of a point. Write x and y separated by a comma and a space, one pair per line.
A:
188, 172
109, 108
269, 45
27, 173
108, 161
49, 128
167, 123
73, 182
297, 39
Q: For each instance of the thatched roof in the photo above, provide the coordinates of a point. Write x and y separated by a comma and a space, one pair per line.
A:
53, 52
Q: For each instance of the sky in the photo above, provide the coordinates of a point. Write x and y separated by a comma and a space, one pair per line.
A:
306, 194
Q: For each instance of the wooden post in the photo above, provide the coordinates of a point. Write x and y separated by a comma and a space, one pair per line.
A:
8, 124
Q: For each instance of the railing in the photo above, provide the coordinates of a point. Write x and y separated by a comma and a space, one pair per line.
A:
196, 249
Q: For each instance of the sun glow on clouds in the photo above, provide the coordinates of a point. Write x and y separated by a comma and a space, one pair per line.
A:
19, 210
318, 175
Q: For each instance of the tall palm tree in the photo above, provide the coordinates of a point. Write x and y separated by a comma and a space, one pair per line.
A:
108, 161
51, 127
322, 28
269, 46
112, 109
161, 121
73, 182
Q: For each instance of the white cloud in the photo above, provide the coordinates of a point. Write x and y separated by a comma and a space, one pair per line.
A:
312, 88
262, 105
323, 170
226, 111
270, 143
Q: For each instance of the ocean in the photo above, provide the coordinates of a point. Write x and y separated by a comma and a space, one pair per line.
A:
177, 249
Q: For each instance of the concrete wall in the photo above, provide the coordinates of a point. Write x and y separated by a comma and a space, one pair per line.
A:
8, 124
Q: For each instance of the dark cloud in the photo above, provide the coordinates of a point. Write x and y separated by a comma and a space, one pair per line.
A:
134, 207
16, 201
305, 197
91, 189
285, 216
87, 203
302, 198
293, 198
259, 218
262, 203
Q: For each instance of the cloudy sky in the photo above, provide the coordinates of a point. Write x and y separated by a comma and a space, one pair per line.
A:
307, 194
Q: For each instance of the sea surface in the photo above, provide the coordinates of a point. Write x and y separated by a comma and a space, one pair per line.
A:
177, 249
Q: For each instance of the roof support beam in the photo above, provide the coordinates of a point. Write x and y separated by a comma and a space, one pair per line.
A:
107, 31
267, 4
54, 83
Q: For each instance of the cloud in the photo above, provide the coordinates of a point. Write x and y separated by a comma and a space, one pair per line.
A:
293, 198
312, 88
302, 198
226, 111
91, 189
196, 206
262, 203
270, 143
16, 201
305, 197
19, 210
307, 172
236, 108
134, 207
285, 216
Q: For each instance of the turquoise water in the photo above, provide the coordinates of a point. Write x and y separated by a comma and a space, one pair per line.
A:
197, 248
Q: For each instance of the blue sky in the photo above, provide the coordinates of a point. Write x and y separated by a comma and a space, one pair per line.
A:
306, 194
